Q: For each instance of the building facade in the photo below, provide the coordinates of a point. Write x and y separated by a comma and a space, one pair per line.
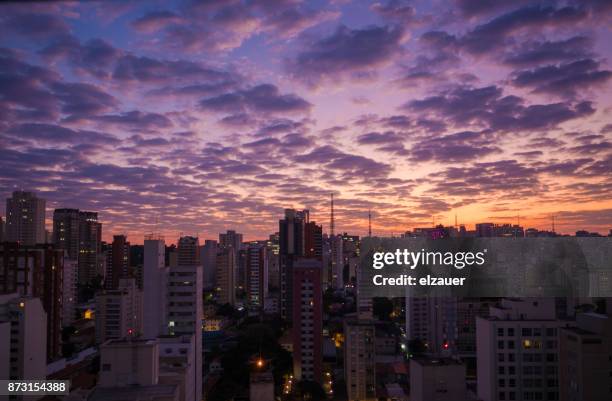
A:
257, 275
23, 341
307, 320
119, 312
25, 218
518, 351
36, 271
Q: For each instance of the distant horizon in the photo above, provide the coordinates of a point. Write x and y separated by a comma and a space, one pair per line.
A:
361, 232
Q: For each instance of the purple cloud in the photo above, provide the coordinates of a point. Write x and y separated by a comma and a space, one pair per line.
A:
488, 107
563, 79
531, 52
55, 134
260, 98
347, 51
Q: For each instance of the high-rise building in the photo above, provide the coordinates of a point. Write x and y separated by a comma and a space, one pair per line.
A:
66, 223
226, 276
69, 292
36, 271
154, 287
184, 298
25, 218
518, 350
241, 269
273, 263
119, 261
437, 379
233, 240
360, 350
188, 251
585, 358
313, 240
119, 312
2, 224
445, 325
360, 359
23, 324
90, 239
336, 261
208, 258
230, 239
80, 234
291, 246
307, 320
257, 275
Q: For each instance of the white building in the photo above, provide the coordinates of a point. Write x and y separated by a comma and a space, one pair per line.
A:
437, 379
23, 340
128, 362
517, 351
585, 358
184, 310
157, 369
177, 364
337, 261
119, 312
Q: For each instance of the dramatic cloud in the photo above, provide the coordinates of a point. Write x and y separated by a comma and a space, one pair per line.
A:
145, 69
96, 56
351, 166
459, 147
376, 138
155, 21
260, 98
35, 25
491, 34
396, 10
55, 134
135, 120
347, 52
488, 108
529, 53
239, 109
563, 79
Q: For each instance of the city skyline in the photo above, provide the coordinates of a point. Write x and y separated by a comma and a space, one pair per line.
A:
140, 113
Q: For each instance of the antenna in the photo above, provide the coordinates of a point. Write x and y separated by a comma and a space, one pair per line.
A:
455, 220
369, 222
553, 223
331, 218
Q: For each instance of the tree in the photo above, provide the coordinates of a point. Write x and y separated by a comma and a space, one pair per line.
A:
311, 391
382, 308
416, 347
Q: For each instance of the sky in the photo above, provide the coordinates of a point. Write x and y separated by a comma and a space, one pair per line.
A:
194, 117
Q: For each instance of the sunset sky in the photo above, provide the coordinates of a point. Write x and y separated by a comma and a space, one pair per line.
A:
195, 117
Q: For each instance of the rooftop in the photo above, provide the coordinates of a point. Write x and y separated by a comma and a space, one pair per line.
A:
133, 393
